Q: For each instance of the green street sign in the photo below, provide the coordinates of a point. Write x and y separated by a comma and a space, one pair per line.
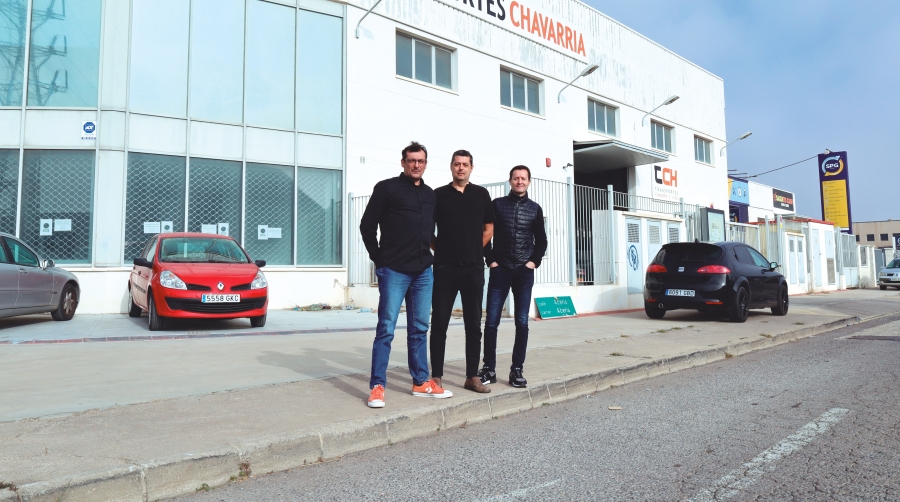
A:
555, 306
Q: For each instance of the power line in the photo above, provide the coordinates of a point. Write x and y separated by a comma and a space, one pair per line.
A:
782, 167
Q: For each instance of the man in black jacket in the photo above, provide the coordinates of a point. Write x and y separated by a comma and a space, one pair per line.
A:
518, 247
404, 209
465, 223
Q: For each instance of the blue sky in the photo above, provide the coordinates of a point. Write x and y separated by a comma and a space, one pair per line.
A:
803, 76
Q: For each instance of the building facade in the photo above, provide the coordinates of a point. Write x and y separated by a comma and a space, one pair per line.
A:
879, 234
260, 119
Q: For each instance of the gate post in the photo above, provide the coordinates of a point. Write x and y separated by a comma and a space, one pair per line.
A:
573, 272
613, 235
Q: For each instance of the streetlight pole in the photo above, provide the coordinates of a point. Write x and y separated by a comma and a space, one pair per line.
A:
743, 136
587, 71
364, 16
666, 102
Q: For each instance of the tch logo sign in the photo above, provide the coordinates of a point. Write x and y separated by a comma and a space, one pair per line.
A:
666, 176
666, 186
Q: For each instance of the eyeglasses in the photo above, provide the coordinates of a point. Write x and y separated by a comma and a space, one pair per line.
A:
414, 162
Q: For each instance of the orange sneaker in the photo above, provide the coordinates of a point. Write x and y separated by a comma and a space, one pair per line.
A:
431, 389
376, 398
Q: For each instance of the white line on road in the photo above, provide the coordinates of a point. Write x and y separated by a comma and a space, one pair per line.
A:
520, 493
743, 477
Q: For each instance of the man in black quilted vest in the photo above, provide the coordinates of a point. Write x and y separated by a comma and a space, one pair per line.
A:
518, 246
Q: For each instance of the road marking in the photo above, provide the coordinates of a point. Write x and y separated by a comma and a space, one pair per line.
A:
743, 477
520, 493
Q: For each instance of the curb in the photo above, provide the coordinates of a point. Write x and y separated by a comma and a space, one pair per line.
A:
182, 474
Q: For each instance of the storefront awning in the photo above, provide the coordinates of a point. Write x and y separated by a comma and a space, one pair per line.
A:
609, 154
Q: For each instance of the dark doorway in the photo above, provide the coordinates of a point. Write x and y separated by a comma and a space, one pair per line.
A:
618, 178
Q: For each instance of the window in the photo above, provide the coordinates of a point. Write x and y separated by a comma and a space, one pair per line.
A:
159, 57
743, 255
9, 187
519, 92
269, 197
601, 118
320, 72
154, 196
702, 150
12, 65
214, 197
57, 214
319, 199
270, 65
21, 255
857, 238
64, 59
217, 60
870, 237
661, 138
423, 61
759, 259
884, 237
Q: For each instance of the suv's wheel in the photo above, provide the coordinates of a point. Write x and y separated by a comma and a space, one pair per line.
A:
653, 311
883, 288
740, 308
783, 302
157, 322
68, 302
133, 310
259, 321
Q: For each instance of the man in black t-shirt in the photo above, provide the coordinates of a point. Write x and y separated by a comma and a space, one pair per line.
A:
465, 223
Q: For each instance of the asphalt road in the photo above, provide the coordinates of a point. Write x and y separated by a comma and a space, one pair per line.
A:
817, 419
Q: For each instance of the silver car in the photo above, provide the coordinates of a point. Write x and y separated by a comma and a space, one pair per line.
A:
30, 285
890, 275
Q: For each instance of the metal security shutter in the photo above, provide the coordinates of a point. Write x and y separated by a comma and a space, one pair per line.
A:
214, 188
155, 193
830, 265
634, 233
655, 237
674, 234
9, 187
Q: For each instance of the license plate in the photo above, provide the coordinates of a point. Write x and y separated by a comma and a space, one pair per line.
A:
220, 298
679, 292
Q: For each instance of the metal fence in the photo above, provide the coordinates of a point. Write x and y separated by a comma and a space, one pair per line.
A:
594, 235
362, 270
742, 232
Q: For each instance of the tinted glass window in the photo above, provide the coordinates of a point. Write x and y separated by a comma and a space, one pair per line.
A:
3, 257
20, 254
893, 264
693, 253
201, 250
758, 258
152, 251
742, 255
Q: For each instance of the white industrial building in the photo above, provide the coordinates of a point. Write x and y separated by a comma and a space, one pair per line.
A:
118, 117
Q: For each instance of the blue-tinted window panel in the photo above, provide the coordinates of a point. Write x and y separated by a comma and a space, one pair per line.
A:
159, 57
217, 60
518, 92
423, 62
64, 60
610, 121
442, 65
60, 186
319, 202
534, 97
320, 72
592, 122
404, 56
505, 88
269, 195
13, 16
270, 65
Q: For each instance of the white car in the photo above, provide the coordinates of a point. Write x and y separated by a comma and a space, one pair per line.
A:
890, 275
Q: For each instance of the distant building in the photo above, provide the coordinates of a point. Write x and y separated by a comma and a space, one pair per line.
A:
877, 233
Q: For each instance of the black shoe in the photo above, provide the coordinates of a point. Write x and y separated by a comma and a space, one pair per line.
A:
488, 376
516, 379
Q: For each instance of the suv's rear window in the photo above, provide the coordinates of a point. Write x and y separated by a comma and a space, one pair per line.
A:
689, 253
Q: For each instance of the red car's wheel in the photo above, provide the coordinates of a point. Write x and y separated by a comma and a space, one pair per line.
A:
157, 322
258, 322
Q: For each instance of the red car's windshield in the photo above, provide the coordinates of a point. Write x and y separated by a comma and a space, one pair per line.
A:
201, 250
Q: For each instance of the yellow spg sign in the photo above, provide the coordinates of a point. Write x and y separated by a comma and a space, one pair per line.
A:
834, 182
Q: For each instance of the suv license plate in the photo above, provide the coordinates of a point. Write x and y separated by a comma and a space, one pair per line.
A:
679, 292
220, 298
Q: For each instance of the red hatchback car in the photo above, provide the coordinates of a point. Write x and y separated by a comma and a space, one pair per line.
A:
197, 276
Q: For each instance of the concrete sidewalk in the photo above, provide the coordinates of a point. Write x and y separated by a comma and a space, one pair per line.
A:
205, 410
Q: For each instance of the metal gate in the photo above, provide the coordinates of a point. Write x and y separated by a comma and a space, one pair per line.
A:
633, 253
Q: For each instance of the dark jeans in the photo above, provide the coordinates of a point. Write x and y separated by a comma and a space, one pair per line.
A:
520, 280
393, 288
468, 281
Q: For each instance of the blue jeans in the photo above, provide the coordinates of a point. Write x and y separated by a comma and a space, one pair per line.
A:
520, 280
393, 287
